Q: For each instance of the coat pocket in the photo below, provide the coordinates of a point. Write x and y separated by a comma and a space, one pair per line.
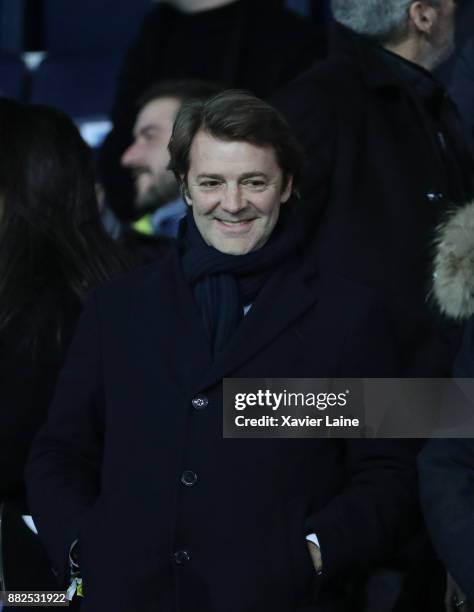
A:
305, 579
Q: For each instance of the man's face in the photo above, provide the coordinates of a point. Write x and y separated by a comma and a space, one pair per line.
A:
148, 155
235, 191
442, 35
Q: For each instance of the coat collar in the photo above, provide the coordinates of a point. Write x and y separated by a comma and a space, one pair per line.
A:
379, 68
287, 295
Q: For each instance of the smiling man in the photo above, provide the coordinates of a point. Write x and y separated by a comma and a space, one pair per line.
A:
132, 470
236, 190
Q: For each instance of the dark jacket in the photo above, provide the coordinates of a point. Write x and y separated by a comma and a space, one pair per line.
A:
462, 85
376, 178
110, 465
143, 249
258, 46
447, 466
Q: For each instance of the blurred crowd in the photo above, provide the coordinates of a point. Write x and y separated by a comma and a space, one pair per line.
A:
380, 98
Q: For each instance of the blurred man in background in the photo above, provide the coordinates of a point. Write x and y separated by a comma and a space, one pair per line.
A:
386, 156
158, 202
147, 157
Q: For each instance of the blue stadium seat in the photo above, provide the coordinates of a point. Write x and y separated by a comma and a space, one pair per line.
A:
83, 87
303, 7
88, 26
317, 10
11, 26
12, 76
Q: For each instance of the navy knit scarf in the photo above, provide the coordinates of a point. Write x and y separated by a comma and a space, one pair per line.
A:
223, 284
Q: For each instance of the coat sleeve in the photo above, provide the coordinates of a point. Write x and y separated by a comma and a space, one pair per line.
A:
63, 473
377, 510
447, 495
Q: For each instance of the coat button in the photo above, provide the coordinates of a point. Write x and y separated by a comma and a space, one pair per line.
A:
200, 402
181, 556
434, 197
189, 478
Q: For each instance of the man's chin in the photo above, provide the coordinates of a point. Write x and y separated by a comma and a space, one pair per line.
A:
233, 246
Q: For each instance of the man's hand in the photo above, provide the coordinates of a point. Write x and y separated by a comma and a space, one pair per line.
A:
455, 600
315, 553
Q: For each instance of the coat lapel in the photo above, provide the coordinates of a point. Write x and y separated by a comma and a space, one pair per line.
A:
175, 325
182, 337
286, 297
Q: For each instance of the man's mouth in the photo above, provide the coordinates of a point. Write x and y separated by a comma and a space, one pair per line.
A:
235, 221
235, 225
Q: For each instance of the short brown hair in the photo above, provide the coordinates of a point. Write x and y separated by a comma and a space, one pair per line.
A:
235, 115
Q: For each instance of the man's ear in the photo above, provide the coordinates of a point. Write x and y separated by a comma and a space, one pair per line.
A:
185, 192
286, 193
423, 16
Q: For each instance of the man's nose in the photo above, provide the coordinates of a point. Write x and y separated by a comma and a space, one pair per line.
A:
233, 201
131, 156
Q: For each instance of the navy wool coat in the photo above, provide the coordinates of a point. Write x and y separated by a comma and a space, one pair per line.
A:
109, 467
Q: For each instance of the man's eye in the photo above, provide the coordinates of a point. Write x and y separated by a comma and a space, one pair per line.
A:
209, 184
256, 184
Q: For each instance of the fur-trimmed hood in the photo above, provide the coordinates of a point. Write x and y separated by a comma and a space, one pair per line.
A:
453, 283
